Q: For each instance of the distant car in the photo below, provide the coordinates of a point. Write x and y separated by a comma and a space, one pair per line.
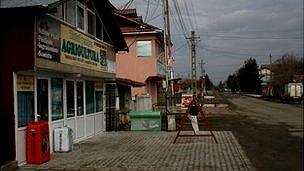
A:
293, 93
227, 90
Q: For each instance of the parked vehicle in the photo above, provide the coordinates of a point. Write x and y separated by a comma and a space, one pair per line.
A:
293, 93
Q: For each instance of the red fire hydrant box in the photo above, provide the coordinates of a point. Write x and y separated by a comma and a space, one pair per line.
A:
37, 142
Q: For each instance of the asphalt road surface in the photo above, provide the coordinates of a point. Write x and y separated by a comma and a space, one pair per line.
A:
271, 113
270, 133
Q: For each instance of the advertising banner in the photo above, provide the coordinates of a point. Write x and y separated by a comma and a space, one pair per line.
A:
47, 38
25, 83
98, 86
80, 50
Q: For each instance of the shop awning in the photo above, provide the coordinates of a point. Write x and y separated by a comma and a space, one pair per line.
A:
155, 78
126, 81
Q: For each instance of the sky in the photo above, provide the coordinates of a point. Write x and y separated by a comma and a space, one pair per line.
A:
230, 31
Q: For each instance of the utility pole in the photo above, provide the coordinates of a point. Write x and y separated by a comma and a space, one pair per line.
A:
270, 70
193, 61
167, 42
270, 63
203, 86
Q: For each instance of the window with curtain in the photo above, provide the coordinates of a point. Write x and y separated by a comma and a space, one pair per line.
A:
70, 12
144, 48
57, 98
99, 101
25, 99
80, 17
25, 107
89, 88
91, 21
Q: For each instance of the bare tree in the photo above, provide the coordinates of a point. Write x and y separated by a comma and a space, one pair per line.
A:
284, 70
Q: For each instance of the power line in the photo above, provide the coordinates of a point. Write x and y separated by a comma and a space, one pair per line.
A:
179, 16
151, 19
187, 11
247, 49
232, 53
193, 11
154, 11
178, 26
147, 10
124, 7
250, 33
251, 37
179, 48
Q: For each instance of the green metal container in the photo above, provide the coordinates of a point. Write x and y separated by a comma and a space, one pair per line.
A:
145, 121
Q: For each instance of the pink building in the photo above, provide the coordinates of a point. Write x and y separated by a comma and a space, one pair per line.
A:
145, 60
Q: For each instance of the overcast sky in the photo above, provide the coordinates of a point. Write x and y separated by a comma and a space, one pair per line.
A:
230, 31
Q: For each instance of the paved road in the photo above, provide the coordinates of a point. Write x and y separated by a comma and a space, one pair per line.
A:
270, 112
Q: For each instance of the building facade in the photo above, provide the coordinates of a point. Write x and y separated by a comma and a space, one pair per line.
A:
265, 77
56, 58
145, 60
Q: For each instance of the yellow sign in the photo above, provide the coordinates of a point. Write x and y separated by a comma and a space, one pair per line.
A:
80, 50
98, 86
25, 83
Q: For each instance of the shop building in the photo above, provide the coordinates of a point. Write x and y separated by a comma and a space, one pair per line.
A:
56, 59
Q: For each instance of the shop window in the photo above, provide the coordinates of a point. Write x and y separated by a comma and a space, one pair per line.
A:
144, 48
70, 99
91, 23
80, 16
89, 97
99, 101
42, 99
70, 12
25, 99
79, 90
57, 98
99, 28
25, 108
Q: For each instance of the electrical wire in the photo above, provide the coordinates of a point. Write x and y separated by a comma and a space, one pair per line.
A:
189, 17
154, 11
194, 14
179, 48
147, 10
124, 7
180, 18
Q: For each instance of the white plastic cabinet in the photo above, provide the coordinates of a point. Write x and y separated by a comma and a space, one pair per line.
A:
63, 139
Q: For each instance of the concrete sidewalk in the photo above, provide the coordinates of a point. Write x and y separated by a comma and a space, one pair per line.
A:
150, 151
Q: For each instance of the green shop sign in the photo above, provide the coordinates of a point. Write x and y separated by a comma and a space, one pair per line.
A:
78, 50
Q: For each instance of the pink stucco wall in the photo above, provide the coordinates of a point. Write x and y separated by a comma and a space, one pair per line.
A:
128, 65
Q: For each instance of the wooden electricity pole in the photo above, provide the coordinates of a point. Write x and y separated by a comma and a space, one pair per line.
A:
167, 42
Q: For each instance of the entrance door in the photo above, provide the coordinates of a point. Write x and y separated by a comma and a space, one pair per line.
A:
80, 119
74, 100
70, 101
42, 99
111, 120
